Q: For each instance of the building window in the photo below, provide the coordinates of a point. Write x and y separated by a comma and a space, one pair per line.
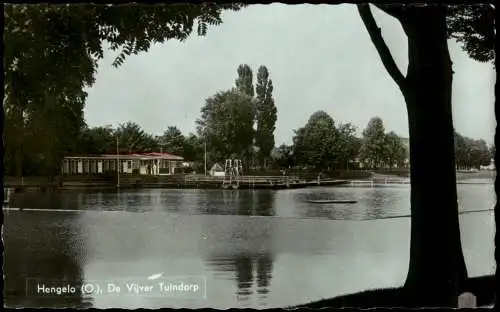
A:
129, 164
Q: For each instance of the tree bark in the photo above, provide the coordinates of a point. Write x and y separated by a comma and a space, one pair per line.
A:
437, 267
437, 271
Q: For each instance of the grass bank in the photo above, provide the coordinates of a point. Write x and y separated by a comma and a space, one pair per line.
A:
482, 287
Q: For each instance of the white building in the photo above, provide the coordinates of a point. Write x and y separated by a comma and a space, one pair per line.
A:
491, 166
216, 171
145, 164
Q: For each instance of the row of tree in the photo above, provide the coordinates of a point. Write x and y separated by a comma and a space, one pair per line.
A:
471, 153
323, 144
226, 130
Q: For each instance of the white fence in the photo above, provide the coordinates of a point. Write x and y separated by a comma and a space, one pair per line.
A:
376, 182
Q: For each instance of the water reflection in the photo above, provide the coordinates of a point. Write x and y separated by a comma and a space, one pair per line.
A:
379, 199
248, 272
372, 203
250, 266
253, 246
44, 252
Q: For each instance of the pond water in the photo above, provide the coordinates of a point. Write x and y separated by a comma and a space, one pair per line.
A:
243, 248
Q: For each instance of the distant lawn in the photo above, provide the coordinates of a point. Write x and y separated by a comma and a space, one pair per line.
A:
484, 174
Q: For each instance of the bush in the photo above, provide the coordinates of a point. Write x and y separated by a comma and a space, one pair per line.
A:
164, 170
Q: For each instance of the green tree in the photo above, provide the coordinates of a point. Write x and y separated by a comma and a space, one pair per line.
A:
172, 141
52, 51
42, 135
471, 153
316, 142
372, 150
427, 92
133, 139
284, 156
299, 146
480, 154
14, 136
227, 124
244, 82
266, 115
244, 85
193, 148
97, 140
394, 150
348, 145
461, 151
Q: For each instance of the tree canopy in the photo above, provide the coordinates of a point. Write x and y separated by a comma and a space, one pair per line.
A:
227, 124
266, 114
315, 142
51, 53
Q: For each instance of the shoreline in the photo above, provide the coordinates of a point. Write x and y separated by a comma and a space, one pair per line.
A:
200, 182
217, 184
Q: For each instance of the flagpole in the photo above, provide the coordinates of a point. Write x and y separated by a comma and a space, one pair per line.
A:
205, 156
117, 164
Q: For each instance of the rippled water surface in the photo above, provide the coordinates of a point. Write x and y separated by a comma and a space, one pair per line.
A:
251, 248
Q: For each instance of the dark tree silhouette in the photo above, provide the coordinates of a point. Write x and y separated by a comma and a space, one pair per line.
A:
266, 115
244, 82
437, 271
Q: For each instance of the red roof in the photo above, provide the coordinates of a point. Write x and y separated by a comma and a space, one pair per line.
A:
167, 156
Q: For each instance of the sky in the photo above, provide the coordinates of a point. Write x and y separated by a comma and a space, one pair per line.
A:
320, 57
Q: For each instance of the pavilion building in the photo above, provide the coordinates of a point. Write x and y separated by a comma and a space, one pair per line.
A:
143, 163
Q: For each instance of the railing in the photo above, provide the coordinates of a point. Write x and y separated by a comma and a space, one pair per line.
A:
383, 181
241, 179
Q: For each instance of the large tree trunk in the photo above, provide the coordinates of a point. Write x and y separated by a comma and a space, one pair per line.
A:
437, 265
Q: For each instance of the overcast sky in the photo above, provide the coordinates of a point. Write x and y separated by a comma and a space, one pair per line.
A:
320, 57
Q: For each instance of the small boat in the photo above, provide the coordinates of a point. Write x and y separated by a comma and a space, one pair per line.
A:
332, 201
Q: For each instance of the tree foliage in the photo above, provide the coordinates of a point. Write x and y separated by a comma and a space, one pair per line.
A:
244, 82
348, 145
51, 53
395, 152
474, 27
470, 153
193, 148
133, 139
266, 114
372, 148
227, 124
315, 143
172, 141
97, 141
284, 156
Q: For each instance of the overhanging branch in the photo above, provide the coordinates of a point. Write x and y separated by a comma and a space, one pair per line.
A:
382, 49
397, 11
